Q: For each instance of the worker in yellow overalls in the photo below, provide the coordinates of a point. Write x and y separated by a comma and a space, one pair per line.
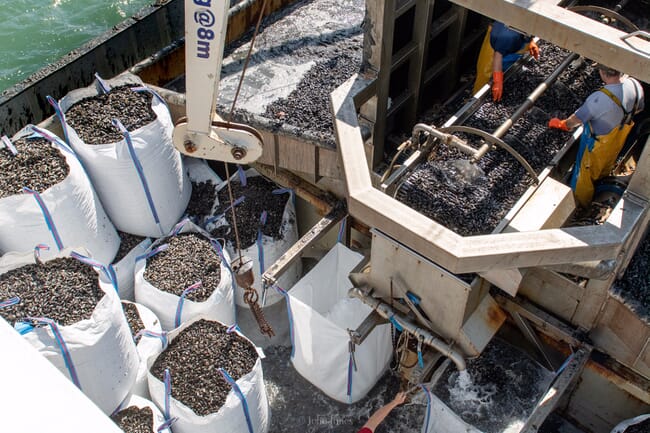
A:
502, 46
606, 116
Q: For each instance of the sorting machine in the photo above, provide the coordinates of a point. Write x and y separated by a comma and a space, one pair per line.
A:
535, 279
535, 273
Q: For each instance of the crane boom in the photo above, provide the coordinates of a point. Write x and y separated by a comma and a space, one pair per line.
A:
202, 133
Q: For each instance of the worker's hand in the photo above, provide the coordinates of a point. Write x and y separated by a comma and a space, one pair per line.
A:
497, 85
399, 398
556, 123
533, 49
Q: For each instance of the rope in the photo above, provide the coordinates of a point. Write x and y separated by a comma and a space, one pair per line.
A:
248, 57
232, 109
234, 214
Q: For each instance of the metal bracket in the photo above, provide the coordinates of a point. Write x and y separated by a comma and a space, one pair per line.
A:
319, 230
529, 333
567, 376
366, 327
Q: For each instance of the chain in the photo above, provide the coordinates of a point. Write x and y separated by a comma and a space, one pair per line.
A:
251, 297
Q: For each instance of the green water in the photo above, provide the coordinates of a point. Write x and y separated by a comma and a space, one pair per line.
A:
38, 32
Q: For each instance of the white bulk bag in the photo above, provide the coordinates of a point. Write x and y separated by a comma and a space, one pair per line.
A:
128, 199
219, 306
141, 403
322, 313
101, 348
151, 342
125, 271
230, 417
623, 425
68, 214
439, 418
272, 248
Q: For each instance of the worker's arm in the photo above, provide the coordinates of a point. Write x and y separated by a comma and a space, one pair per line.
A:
533, 49
565, 125
572, 121
383, 412
497, 76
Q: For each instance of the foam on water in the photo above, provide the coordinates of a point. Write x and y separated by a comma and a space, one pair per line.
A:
497, 391
469, 397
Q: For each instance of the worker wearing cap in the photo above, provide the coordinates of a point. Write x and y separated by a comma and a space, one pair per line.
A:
606, 116
502, 46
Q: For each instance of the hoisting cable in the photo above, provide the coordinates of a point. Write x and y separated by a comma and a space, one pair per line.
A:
229, 120
243, 273
248, 57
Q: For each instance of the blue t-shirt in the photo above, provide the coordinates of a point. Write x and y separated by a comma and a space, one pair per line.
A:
603, 113
506, 41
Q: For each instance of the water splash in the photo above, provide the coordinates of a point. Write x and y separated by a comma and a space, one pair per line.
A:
466, 172
470, 398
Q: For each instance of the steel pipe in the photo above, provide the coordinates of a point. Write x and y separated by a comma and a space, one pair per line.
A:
423, 335
448, 139
523, 108
598, 270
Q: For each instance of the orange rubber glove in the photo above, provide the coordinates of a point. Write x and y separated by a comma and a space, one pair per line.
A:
533, 49
558, 124
497, 85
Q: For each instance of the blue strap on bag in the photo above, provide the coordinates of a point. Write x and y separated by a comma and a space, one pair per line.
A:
241, 396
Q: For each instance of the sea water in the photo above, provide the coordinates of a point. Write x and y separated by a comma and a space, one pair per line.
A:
36, 33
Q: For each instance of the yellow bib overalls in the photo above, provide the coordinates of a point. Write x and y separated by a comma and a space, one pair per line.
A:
597, 155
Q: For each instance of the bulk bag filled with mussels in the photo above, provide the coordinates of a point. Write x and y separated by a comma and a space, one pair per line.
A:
205, 182
149, 339
121, 131
210, 379
47, 198
267, 228
140, 415
131, 247
184, 275
74, 320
